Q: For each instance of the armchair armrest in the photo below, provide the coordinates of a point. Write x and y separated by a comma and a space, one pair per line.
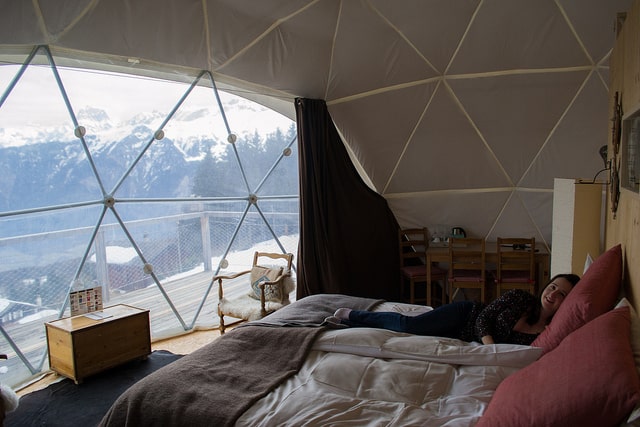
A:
230, 276
219, 278
279, 278
276, 282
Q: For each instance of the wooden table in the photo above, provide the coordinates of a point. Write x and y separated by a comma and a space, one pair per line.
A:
440, 254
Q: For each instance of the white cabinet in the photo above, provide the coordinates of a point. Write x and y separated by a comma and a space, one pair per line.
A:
577, 219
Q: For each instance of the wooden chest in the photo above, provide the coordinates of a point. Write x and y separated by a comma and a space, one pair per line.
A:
80, 346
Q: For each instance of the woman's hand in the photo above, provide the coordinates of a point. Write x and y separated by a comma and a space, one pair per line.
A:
487, 339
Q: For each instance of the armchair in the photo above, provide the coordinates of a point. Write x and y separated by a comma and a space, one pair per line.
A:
268, 290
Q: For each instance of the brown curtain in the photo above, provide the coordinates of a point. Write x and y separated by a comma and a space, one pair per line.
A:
348, 234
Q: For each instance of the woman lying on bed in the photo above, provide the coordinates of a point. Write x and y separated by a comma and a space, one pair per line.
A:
517, 317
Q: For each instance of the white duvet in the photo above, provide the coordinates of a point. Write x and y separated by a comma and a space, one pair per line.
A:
374, 377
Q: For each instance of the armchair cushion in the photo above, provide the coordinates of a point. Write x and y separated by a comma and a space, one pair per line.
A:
246, 307
264, 274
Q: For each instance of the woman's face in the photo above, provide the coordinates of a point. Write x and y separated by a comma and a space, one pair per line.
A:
554, 294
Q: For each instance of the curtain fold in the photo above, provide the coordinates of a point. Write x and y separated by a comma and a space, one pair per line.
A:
348, 234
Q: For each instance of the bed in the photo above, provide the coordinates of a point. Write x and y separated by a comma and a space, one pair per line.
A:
293, 369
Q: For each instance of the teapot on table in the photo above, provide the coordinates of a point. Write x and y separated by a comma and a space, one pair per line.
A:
458, 232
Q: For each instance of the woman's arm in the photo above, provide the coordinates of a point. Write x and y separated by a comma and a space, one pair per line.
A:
508, 307
486, 321
487, 339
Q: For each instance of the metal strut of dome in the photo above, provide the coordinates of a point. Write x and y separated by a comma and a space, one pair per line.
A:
109, 200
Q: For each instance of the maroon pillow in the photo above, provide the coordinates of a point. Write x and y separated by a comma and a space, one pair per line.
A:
596, 293
588, 380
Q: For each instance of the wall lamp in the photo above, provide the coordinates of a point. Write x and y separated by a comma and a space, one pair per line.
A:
607, 163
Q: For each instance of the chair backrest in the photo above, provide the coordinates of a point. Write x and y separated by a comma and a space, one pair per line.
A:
413, 244
467, 254
516, 255
274, 257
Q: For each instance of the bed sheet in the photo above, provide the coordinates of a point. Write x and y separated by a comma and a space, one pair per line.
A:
363, 376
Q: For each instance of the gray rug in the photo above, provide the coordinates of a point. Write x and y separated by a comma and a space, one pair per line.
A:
67, 404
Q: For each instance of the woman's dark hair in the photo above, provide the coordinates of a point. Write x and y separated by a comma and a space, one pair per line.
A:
570, 277
535, 313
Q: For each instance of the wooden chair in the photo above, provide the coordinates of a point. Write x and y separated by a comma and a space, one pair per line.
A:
267, 289
467, 269
516, 267
413, 244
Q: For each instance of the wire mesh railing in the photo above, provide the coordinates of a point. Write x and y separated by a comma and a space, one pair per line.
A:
186, 250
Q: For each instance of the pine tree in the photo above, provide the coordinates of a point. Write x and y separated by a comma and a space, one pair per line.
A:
203, 185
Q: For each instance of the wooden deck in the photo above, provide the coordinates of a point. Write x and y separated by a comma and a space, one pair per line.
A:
186, 294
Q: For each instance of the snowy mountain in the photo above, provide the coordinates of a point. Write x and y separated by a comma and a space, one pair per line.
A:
50, 168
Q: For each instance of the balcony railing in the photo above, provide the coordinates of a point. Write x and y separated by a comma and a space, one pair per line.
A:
185, 250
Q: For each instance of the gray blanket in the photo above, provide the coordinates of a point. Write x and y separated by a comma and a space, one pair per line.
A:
312, 310
214, 385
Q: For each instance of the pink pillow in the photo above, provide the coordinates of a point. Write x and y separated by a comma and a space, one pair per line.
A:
588, 380
596, 293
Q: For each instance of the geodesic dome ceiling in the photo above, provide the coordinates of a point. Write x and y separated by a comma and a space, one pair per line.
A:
458, 113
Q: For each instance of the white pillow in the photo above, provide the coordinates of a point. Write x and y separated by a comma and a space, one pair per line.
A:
587, 263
